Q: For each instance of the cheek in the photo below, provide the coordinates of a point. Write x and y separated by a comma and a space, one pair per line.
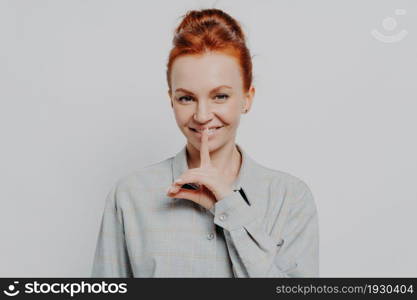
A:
229, 114
181, 116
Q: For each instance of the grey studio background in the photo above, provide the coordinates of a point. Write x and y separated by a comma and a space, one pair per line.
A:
84, 101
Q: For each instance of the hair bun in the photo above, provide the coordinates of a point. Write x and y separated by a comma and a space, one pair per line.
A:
200, 21
205, 30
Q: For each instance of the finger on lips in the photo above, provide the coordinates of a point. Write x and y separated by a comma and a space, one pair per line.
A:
204, 162
204, 149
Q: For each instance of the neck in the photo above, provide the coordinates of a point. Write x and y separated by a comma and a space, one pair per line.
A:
226, 158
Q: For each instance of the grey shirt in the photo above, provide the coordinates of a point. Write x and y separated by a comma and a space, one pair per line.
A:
269, 228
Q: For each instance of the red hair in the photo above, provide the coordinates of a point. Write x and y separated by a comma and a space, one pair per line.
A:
206, 30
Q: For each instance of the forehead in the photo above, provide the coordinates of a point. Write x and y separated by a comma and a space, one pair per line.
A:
203, 72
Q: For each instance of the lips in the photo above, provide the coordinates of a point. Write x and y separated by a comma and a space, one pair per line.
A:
211, 133
200, 130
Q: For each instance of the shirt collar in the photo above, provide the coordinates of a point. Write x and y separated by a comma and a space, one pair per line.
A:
244, 180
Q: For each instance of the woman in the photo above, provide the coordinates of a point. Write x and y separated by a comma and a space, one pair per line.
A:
223, 215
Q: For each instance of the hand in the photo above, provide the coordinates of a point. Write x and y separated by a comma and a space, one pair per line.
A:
214, 186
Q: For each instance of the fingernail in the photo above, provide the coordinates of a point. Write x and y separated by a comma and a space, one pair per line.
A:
178, 180
168, 190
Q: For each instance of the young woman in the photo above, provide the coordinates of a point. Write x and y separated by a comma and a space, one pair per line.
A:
210, 210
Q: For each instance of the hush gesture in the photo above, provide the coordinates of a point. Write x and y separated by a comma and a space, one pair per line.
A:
212, 183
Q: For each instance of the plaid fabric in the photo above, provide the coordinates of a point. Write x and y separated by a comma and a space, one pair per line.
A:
272, 233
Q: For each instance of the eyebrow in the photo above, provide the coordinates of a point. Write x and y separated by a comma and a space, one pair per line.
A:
212, 91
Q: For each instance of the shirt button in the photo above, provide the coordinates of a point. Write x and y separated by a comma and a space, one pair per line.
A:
210, 236
222, 217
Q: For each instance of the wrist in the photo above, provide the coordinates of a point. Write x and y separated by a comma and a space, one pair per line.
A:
225, 193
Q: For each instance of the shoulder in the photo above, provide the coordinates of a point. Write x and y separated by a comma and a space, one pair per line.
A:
152, 176
289, 186
140, 185
281, 178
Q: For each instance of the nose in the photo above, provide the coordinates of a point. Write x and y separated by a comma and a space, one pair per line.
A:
203, 113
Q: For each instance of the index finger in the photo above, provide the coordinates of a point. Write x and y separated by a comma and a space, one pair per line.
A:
204, 149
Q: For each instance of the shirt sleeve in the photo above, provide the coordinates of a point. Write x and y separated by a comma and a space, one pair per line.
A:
111, 256
289, 249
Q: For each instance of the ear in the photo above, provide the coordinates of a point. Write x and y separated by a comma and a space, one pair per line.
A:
249, 98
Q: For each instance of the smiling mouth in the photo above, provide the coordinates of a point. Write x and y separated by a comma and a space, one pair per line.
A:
211, 130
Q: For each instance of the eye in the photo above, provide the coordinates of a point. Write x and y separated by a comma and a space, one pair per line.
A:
184, 99
222, 96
